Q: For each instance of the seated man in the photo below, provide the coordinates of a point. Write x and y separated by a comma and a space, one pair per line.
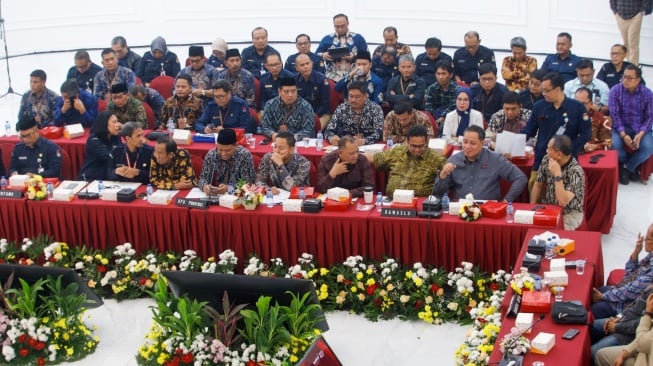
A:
467, 60
563, 61
288, 113
201, 73
562, 180
314, 88
126, 107
479, 171
111, 74
631, 109
283, 168
411, 165
39, 103
126, 57
385, 65
440, 97
157, 62
76, 105
170, 167
585, 72
241, 80
224, 111
612, 72
511, 118
269, 85
150, 97
130, 162
219, 49
254, 56
401, 119
303, 44
345, 168
516, 69
362, 72
488, 94
391, 39
183, 107
533, 93
357, 117
406, 85
426, 63
601, 125
84, 71
34, 154
228, 163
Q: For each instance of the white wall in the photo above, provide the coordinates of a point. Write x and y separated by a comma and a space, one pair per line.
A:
65, 25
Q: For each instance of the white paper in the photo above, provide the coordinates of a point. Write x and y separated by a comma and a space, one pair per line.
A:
71, 186
511, 143
92, 187
196, 193
374, 148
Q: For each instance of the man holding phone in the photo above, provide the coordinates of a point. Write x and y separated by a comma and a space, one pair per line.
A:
227, 163
76, 105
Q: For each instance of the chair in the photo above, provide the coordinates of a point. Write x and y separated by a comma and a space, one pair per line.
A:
646, 168
7, 149
101, 105
137, 81
67, 166
434, 124
150, 116
335, 98
257, 93
615, 277
257, 161
197, 161
164, 85
254, 115
312, 175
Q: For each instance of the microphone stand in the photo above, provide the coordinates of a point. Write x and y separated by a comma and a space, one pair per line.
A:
3, 35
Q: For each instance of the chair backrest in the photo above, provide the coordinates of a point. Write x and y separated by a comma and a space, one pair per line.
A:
164, 85
197, 161
254, 115
101, 105
7, 149
67, 166
312, 175
434, 123
257, 161
335, 98
317, 124
257, 93
137, 81
150, 116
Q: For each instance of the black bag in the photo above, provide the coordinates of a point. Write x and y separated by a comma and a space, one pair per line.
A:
568, 312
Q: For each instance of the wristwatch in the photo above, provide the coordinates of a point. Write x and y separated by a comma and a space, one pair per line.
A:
557, 178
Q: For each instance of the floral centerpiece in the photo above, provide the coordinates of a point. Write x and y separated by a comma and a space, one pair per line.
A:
469, 210
514, 343
250, 194
36, 189
522, 281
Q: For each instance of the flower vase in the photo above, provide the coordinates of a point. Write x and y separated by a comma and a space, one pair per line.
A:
250, 206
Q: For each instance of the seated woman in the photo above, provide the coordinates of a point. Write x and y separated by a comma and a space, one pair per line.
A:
462, 117
105, 135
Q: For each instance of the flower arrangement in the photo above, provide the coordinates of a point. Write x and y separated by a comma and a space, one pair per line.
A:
522, 281
251, 194
36, 189
515, 343
469, 210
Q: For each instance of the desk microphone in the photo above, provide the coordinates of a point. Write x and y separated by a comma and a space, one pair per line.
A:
86, 195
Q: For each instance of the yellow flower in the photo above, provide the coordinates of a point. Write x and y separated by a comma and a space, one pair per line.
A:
69, 351
104, 261
361, 297
390, 287
370, 282
324, 271
409, 274
369, 271
162, 358
353, 289
359, 276
418, 281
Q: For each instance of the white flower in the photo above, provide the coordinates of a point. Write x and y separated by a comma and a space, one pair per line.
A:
8, 352
79, 265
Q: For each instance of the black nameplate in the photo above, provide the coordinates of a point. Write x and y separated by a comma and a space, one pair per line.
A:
190, 203
398, 212
10, 193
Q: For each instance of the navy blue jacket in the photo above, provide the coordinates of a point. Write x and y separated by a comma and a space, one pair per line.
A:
236, 115
425, 67
465, 66
73, 116
318, 63
139, 160
85, 79
96, 159
253, 62
566, 67
43, 159
315, 90
149, 67
269, 88
383, 71
488, 104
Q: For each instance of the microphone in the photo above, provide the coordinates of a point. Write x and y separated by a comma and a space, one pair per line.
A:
86, 195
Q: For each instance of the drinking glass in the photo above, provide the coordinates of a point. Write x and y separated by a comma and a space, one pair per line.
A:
580, 266
368, 194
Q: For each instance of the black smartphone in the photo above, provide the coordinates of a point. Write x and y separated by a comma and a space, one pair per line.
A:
538, 207
265, 142
570, 334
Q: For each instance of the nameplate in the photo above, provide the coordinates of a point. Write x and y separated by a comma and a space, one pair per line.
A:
398, 212
185, 202
9, 193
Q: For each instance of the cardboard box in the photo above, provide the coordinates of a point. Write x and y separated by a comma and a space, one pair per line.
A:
564, 247
292, 205
162, 197
403, 196
543, 343
524, 320
18, 180
230, 201
338, 194
536, 301
182, 137
557, 264
557, 278
73, 131
63, 195
524, 217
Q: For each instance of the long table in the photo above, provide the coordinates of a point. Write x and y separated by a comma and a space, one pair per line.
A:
565, 352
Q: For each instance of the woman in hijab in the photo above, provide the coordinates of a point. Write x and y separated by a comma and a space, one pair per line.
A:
105, 135
157, 62
462, 117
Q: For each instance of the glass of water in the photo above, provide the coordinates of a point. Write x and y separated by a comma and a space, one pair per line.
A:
580, 266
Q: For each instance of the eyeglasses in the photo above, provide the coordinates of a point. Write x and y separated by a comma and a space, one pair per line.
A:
488, 79
195, 60
630, 77
219, 96
417, 147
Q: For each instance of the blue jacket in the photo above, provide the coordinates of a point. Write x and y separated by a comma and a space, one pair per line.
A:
425, 67
253, 62
43, 159
383, 71
465, 66
318, 63
315, 91
150, 67
139, 160
96, 159
374, 86
403, 89
236, 115
73, 116
566, 67
488, 104
85, 79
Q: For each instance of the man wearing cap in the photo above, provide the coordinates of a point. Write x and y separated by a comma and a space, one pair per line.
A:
157, 62
224, 111
303, 44
200, 72
283, 168
362, 72
184, 108
170, 167
84, 70
288, 113
126, 107
270, 80
219, 47
76, 105
241, 80
385, 65
130, 162
406, 85
112, 73
40, 103
314, 88
338, 68
34, 154
357, 117
426, 63
255, 56
345, 168
228, 163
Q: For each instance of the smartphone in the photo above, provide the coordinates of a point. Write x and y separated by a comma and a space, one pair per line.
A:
265, 142
570, 334
538, 207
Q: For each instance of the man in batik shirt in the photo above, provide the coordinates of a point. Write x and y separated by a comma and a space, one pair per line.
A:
512, 117
401, 119
241, 80
357, 117
338, 68
183, 107
288, 113
112, 73
601, 125
201, 73
171, 168
40, 102
516, 69
228, 163
283, 168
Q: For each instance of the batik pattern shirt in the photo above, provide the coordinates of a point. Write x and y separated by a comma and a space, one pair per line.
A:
202, 77
242, 84
174, 107
392, 127
573, 179
409, 172
517, 73
104, 79
498, 123
298, 117
215, 171
44, 106
179, 169
368, 123
295, 173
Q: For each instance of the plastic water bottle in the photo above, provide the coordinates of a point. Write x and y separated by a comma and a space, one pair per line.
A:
510, 213
230, 188
50, 190
100, 186
269, 198
259, 131
548, 254
379, 201
390, 143
3, 183
359, 73
7, 128
149, 190
445, 203
302, 193
171, 126
320, 141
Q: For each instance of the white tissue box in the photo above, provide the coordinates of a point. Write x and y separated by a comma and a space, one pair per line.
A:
230, 201
403, 196
63, 195
557, 265
292, 205
438, 145
524, 217
162, 197
454, 207
557, 278
73, 131
338, 194
543, 343
182, 137
18, 180
524, 321
109, 194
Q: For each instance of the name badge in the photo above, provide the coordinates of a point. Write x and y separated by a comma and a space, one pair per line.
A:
561, 130
22, 158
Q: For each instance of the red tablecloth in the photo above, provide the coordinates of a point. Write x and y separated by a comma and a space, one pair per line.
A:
14, 219
577, 350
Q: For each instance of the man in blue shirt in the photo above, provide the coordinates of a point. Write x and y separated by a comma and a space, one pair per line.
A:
466, 60
34, 154
563, 62
130, 162
488, 94
303, 44
254, 56
528, 97
337, 68
426, 62
363, 72
270, 80
84, 70
75, 105
224, 111
313, 87
385, 65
